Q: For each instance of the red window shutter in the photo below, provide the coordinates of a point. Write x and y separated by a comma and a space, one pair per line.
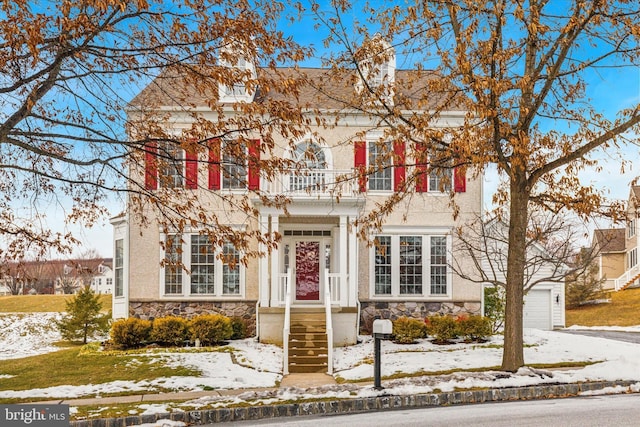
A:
191, 169
214, 164
360, 162
254, 164
460, 179
422, 168
151, 166
398, 165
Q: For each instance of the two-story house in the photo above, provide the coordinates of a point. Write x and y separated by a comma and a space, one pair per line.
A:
322, 277
617, 248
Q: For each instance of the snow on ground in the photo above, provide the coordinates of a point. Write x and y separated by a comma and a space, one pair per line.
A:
254, 365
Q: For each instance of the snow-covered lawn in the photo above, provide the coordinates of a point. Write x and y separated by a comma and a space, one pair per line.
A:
255, 365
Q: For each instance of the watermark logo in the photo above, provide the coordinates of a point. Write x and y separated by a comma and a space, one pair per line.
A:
34, 415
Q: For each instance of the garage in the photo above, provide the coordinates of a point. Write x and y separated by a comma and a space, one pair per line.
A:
537, 309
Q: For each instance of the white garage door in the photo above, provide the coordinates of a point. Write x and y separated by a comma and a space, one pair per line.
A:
537, 309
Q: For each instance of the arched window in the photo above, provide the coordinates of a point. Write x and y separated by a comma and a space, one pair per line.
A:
309, 155
310, 165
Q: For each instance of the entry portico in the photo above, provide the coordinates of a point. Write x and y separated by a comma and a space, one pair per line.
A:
314, 264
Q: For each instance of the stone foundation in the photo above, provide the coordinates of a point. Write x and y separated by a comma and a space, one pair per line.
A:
150, 310
419, 310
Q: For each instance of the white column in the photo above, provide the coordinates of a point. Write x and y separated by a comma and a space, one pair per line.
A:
275, 265
353, 264
344, 250
263, 264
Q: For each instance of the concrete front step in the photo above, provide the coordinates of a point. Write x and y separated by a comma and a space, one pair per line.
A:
309, 368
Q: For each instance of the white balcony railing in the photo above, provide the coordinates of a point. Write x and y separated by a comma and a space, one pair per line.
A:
312, 183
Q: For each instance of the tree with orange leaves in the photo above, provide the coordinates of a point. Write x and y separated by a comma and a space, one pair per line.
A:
523, 75
70, 70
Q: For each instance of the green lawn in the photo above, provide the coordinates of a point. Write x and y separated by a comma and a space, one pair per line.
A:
623, 310
41, 303
75, 367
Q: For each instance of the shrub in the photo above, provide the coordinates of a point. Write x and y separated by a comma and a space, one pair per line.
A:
239, 327
474, 328
494, 305
130, 333
170, 330
211, 329
407, 330
443, 329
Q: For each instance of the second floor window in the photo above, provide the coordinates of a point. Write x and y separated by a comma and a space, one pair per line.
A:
171, 170
380, 160
631, 228
234, 166
440, 180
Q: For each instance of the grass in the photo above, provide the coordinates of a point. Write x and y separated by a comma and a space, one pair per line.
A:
72, 366
621, 311
42, 303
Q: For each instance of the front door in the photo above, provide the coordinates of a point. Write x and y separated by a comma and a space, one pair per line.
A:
307, 270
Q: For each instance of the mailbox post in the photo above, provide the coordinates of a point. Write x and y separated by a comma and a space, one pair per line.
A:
382, 330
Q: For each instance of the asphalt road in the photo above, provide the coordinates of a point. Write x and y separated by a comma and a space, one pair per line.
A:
616, 410
633, 337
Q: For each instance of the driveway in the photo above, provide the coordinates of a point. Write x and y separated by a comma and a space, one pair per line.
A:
633, 337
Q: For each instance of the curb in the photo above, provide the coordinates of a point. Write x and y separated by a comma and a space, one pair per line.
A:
345, 406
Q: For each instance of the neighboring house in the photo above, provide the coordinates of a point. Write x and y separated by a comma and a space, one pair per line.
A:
618, 257
405, 273
73, 275
611, 255
102, 282
56, 276
544, 299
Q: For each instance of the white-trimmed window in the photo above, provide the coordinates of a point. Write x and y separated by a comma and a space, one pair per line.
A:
380, 159
631, 227
234, 166
171, 165
440, 180
207, 270
119, 268
410, 265
633, 257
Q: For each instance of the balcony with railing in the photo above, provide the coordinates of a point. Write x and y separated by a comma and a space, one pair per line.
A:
313, 184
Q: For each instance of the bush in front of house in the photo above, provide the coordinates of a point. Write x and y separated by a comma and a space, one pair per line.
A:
170, 330
443, 329
474, 328
130, 333
407, 330
211, 329
239, 327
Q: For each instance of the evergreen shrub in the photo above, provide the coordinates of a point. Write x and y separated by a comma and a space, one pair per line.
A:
170, 330
407, 330
130, 333
211, 329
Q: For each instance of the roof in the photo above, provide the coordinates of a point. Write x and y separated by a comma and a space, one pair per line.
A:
610, 240
331, 89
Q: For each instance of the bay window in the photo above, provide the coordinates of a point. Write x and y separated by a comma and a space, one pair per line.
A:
410, 265
209, 271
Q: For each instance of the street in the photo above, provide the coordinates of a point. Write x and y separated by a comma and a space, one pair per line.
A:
613, 410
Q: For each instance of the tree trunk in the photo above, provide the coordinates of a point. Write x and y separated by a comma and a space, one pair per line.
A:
513, 353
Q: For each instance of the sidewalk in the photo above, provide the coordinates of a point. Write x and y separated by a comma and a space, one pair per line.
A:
291, 380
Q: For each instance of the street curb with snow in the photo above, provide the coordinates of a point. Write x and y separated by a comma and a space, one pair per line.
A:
384, 402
